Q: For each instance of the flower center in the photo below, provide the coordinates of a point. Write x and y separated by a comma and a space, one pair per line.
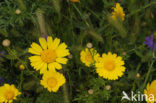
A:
51, 82
89, 57
109, 65
48, 56
9, 95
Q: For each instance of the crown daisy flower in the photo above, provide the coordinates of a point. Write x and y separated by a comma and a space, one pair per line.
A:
8, 93
150, 89
49, 56
89, 56
52, 80
118, 12
110, 66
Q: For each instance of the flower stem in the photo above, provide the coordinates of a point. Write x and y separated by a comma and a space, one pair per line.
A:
21, 81
41, 22
21, 5
80, 14
139, 10
148, 73
65, 92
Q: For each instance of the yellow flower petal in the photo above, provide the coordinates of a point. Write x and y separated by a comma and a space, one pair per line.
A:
56, 43
62, 60
44, 68
57, 65
35, 58
62, 46
50, 42
36, 47
51, 67
43, 43
31, 50
62, 53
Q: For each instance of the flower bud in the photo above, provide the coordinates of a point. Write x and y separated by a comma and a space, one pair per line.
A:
138, 75
22, 67
70, 56
124, 53
90, 91
89, 45
108, 87
18, 11
6, 42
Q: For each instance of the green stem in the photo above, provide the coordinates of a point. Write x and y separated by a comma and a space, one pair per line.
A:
21, 5
21, 80
41, 21
80, 14
146, 6
66, 95
148, 73
138, 67
23, 62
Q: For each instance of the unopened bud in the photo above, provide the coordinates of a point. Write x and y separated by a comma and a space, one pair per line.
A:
138, 75
6, 43
22, 67
89, 45
108, 87
124, 53
70, 56
18, 11
90, 91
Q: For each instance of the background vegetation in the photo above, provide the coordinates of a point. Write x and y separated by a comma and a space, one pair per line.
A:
77, 24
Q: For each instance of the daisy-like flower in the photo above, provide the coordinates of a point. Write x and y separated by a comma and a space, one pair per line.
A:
150, 90
52, 80
89, 56
8, 93
110, 66
118, 12
49, 56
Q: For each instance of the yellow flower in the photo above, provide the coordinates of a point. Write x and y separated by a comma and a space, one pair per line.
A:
21, 67
110, 66
74, 0
89, 56
50, 55
150, 90
52, 80
8, 93
118, 12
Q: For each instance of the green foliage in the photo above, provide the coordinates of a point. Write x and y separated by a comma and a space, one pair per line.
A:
47, 97
76, 24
